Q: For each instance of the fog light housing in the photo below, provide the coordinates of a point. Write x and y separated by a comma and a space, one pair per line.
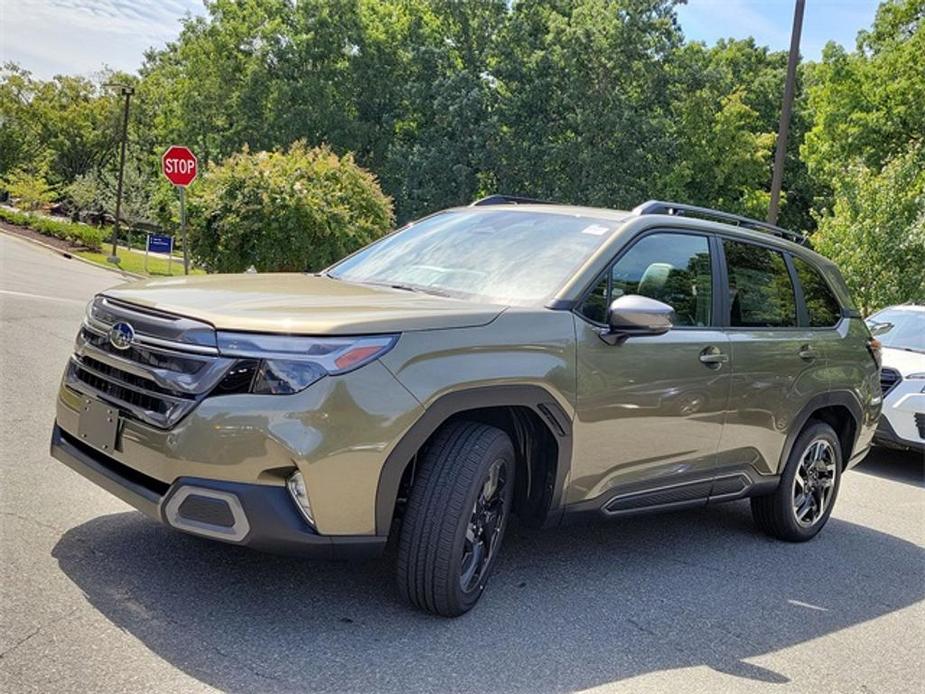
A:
299, 494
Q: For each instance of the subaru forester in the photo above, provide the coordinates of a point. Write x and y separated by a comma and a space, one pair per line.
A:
510, 357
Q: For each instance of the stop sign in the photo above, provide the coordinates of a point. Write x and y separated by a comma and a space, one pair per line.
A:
179, 165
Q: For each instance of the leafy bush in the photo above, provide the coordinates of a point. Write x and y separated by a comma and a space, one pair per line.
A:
29, 191
80, 234
293, 210
84, 195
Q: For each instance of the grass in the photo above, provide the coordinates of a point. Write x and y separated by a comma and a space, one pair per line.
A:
135, 262
93, 237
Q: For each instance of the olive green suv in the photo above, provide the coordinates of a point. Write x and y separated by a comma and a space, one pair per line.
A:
510, 357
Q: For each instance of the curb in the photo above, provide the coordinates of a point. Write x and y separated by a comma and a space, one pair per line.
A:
73, 256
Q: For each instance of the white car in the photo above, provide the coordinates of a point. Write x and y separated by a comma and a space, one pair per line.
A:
901, 331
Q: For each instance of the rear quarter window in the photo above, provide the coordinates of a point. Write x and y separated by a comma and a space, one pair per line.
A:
821, 305
837, 283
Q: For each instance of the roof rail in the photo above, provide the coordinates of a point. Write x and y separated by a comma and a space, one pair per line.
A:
508, 200
680, 210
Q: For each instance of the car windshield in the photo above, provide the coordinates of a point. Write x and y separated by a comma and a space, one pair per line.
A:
899, 329
501, 256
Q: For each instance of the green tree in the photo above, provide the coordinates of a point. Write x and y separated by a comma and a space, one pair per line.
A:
439, 155
725, 112
20, 146
66, 126
865, 154
869, 104
584, 99
84, 196
293, 210
29, 191
876, 230
212, 88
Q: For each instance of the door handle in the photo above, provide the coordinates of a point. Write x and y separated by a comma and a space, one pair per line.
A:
712, 357
807, 353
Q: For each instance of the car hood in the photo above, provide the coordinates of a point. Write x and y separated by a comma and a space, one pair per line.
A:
902, 360
301, 304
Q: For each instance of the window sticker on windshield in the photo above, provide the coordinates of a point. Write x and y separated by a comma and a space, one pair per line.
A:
595, 230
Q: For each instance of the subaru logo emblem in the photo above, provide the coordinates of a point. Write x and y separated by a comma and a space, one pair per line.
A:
121, 335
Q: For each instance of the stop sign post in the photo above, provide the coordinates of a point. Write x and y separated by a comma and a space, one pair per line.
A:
180, 167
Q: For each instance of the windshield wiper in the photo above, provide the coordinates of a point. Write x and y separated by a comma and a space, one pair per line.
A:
418, 289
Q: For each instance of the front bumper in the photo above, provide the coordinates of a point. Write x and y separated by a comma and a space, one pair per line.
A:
887, 436
903, 410
258, 516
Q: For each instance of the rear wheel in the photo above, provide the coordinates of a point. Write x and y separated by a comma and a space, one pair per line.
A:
803, 501
456, 516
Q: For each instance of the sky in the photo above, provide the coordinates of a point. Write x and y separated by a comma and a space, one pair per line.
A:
50, 37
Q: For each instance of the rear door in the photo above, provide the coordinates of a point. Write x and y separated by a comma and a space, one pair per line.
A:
650, 409
777, 364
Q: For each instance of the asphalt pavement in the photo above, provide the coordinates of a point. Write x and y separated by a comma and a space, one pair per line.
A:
94, 597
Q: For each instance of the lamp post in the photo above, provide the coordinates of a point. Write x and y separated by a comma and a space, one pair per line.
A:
126, 91
781, 154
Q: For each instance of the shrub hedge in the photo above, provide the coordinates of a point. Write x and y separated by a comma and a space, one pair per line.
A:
81, 234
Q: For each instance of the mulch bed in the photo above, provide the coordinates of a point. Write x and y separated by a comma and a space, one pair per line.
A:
57, 243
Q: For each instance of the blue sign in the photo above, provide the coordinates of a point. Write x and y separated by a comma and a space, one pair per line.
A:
160, 243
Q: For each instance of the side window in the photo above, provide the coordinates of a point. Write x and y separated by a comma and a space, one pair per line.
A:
760, 290
672, 268
821, 304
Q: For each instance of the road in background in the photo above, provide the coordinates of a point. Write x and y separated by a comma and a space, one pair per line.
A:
94, 597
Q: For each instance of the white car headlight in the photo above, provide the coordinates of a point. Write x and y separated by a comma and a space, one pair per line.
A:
289, 364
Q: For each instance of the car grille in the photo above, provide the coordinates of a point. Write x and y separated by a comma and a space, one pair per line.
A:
920, 424
171, 364
889, 379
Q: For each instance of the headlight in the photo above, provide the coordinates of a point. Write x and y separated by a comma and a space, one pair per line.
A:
286, 364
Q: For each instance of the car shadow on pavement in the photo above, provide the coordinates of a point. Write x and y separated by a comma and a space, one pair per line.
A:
898, 466
567, 609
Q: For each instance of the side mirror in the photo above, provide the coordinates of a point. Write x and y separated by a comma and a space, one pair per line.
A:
633, 315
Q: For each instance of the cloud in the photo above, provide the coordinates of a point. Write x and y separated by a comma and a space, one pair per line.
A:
51, 37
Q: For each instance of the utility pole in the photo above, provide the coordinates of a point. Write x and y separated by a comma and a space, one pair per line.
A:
127, 92
780, 154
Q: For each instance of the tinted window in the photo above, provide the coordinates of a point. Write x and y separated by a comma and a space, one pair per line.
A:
595, 304
503, 256
672, 268
760, 290
821, 304
899, 329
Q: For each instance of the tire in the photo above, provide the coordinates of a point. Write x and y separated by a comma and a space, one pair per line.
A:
461, 500
815, 463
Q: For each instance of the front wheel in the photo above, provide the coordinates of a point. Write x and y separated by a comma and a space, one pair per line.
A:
456, 516
803, 501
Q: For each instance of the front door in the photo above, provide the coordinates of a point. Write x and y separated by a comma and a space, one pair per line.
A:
650, 410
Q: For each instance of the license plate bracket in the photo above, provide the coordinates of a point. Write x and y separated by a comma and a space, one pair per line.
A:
98, 423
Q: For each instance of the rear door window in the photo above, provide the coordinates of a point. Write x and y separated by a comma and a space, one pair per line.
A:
760, 291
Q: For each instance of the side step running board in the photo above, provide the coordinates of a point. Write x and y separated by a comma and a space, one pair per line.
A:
688, 494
